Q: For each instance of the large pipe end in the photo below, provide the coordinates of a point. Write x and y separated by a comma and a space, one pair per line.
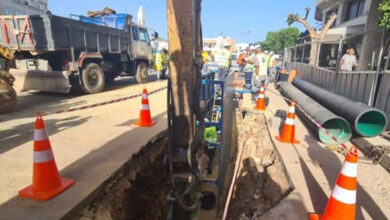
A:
338, 127
370, 123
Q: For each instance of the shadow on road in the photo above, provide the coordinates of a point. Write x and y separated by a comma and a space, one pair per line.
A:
21, 134
31, 102
85, 171
331, 166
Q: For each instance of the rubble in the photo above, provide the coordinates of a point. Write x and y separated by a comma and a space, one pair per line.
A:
138, 191
261, 182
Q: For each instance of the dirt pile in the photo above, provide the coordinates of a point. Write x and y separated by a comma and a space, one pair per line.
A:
261, 182
138, 191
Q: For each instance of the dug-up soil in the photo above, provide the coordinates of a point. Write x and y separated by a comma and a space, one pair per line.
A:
261, 181
138, 191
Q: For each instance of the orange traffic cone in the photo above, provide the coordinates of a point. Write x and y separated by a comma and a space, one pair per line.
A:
283, 71
47, 182
260, 105
288, 132
341, 204
145, 120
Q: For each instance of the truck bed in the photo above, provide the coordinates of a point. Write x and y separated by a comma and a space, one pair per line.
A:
40, 33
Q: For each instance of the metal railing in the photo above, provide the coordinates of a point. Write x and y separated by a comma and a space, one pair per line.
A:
369, 87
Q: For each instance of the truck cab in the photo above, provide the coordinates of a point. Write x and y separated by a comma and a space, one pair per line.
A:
141, 47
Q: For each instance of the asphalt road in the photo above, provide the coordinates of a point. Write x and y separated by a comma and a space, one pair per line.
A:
73, 135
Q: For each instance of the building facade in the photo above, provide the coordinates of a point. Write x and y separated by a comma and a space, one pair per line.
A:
23, 7
356, 25
352, 15
212, 44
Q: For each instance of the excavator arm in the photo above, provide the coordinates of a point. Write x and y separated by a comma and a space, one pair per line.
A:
185, 120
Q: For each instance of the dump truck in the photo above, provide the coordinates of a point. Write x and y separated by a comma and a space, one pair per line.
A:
57, 54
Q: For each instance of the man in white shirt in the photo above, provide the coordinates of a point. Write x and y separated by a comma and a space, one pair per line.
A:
348, 61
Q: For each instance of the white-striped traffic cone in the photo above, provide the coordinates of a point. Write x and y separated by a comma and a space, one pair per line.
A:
341, 204
260, 105
145, 120
288, 132
47, 182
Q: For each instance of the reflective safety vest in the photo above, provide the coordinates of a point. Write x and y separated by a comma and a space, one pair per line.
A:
222, 57
158, 63
249, 66
263, 63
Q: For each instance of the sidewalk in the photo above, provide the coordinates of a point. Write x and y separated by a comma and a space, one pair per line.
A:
314, 169
88, 152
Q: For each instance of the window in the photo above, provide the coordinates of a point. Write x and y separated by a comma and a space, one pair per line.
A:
143, 35
354, 9
42, 6
134, 29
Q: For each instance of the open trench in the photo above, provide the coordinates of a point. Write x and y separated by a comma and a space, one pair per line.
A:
139, 189
261, 181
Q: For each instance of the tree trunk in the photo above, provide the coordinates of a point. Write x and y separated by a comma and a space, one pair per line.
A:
314, 53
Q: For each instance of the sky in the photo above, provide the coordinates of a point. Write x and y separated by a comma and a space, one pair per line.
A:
242, 20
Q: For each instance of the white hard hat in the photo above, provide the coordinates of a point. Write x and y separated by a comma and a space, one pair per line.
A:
252, 47
257, 47
226, 44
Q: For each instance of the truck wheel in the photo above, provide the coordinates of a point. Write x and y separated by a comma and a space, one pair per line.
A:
93, 79
141, 74
7, 97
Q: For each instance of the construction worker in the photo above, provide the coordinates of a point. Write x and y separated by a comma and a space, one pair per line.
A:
241, 61
204, 56
261, 69
249, 67
165, 63
158, 63
271, 66
210, 57
223, 60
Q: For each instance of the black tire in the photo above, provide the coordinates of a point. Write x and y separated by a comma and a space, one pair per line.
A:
8, 97
141, 75
93, 79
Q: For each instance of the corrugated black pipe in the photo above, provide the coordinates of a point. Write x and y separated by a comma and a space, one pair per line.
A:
366, 121
336, 125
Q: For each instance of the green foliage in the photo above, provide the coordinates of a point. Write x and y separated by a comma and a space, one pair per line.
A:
384, 20
291, 19
277, 41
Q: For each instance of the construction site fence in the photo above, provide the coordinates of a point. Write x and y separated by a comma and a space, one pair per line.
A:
369, 87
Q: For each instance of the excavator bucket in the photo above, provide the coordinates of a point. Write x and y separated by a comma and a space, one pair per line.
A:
47, 81
7, 97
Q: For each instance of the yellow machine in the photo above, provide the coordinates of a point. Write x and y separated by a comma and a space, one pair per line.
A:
7, 93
